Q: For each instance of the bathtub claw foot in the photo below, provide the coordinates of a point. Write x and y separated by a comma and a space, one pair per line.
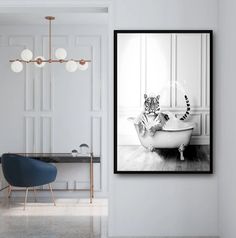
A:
151, 148
181, 151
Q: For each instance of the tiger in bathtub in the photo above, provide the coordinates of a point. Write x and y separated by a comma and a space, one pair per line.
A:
151, 119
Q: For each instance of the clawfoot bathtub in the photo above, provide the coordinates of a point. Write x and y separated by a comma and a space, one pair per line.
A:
168, 138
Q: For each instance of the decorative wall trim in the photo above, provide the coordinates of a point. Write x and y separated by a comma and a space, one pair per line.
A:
202, 64
26, 41
58, 184
198, 111
207, 124
94, 42
96, 135
46, 125
203, 140
143, 67
175, 52
38, 110
200, 70
81, 185
30, 135
207, 72
46, 88
172, 68
47, 76
197, 118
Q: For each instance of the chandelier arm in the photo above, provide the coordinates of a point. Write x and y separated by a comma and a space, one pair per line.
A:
39, 60
20, 60
51, 61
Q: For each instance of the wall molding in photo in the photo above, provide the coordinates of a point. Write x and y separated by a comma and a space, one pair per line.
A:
173, 102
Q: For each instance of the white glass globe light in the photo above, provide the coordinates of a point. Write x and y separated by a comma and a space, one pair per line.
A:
83, 67
16, 66
42, 63
26, 55
84, 149
60, 53
71, 66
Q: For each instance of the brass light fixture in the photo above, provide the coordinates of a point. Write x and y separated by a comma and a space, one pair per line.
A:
27, 57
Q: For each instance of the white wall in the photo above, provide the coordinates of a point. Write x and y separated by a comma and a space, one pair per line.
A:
225, 105
163, 205
50, 109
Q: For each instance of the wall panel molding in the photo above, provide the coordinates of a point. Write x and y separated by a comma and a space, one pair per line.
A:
207, 124
173, 69
94, 42
207, 103
205, 71
96, 135
26, 41
58, 184
158, 63
46, 125
143, 66
185, 58
38, 110
187, 49
46, 73
81, 185
30, 134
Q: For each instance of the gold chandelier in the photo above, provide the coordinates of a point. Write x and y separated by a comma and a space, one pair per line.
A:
27, 57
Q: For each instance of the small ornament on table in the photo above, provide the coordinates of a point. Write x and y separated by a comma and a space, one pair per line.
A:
74, 153
84, 149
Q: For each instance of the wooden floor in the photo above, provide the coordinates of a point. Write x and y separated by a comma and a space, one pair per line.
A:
137, 158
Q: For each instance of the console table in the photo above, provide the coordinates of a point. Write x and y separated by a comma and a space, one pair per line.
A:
67, 158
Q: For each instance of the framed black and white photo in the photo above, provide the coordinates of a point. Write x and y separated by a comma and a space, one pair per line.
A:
163, 101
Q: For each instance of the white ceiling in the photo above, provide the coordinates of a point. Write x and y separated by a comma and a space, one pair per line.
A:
85, 15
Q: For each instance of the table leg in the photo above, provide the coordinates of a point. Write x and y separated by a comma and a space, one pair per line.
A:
91, 178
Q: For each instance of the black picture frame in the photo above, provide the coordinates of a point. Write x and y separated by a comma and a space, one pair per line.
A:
210, 32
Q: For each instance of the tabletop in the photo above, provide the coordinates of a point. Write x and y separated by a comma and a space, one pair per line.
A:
61, 157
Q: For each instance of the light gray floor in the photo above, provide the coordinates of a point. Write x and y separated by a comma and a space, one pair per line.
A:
70, 218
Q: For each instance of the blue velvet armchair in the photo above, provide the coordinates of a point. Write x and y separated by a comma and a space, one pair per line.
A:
20, 171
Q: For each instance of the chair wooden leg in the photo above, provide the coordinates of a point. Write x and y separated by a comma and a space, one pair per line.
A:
35, 197
53, 200
9, 191
26, 194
